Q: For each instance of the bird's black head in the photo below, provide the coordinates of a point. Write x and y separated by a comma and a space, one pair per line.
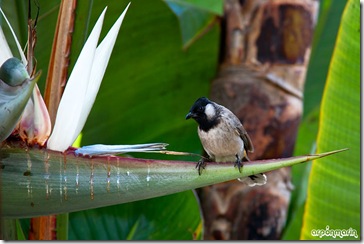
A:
205, 113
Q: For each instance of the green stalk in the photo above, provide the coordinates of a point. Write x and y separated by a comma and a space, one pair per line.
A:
41, 182
62, 226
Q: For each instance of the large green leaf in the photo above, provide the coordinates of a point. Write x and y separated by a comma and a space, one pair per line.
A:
154, 220
49, 182
322, 48
195, 17
333, 201
306, 136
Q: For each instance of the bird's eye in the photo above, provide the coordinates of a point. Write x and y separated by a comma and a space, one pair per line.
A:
200, 109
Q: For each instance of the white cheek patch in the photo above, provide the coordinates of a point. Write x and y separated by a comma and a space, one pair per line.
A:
210, 111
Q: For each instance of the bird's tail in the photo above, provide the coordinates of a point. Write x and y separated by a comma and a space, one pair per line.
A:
254, 180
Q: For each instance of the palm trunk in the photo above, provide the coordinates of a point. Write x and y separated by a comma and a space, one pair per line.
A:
265, 51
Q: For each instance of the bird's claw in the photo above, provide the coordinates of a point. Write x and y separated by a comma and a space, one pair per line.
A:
200, 164
238, 163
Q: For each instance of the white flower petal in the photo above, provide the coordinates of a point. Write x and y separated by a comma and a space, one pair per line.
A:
70, 107
102, 56
23, 58
82, 87
100, 149
5, 53
35, 124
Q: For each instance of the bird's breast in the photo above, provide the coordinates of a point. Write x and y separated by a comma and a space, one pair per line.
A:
222, 144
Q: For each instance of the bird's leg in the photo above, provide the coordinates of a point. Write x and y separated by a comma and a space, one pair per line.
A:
200, 164
238, 162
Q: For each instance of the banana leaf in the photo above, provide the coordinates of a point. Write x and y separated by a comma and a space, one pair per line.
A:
332, 208
322, 48
120, 222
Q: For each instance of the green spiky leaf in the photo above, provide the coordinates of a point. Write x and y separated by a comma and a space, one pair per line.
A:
49, 182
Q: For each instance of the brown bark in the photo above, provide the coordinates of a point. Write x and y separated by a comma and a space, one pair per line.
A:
43, 228
265, 53
59, 60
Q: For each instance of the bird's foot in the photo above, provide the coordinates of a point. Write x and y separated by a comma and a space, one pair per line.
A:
201, 164
238, 163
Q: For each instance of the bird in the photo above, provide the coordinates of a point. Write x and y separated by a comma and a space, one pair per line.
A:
223, 137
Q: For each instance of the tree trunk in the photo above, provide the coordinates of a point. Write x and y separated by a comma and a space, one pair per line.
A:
264, 58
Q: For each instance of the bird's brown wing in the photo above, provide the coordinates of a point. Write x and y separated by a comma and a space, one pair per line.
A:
248, 145
239, 128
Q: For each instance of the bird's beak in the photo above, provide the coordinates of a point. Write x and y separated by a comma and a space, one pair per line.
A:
189, 115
